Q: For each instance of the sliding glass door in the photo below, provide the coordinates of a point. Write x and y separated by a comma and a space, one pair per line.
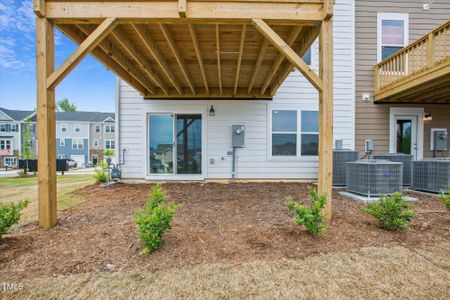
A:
175, 142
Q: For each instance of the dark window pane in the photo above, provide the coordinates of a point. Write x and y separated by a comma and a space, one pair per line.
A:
189, 144
307, 57
404, 136
284, 120
310, 121
284, 144
310, 144
387, 51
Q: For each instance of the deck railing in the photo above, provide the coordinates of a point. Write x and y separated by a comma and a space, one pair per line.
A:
427, 52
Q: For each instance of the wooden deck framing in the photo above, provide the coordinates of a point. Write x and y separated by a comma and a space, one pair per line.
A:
223, 49
419, 73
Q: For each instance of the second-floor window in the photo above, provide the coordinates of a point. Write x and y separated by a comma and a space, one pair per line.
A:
5, 127
97, 128
95, 143
110, 144
392, 34
63, 127
77, 144
62, 142
77, 127
109, 128
5, 144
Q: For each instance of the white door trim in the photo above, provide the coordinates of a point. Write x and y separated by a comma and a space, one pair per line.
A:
406, 111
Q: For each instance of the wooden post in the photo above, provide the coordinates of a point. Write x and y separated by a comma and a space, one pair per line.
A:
46, 122
326, 114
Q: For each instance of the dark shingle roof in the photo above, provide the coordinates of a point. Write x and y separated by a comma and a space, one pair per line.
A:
82, 116
17, 115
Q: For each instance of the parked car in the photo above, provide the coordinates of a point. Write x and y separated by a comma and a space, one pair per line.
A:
71, 163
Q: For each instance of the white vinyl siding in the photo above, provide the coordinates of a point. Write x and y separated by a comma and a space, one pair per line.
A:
254, 160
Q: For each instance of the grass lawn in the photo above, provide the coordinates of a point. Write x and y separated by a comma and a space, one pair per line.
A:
18, 189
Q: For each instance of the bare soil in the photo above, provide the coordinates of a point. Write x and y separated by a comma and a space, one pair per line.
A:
218, 223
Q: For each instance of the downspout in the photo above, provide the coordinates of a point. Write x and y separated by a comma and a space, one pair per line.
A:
116, 121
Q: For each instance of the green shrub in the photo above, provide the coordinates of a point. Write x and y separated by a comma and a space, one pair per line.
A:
311, 217
10, 215
154, 219
392, 212
446, 198
101, 172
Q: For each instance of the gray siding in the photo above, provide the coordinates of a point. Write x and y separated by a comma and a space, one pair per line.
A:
372, 121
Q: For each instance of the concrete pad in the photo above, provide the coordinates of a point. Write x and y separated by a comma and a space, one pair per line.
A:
364, 199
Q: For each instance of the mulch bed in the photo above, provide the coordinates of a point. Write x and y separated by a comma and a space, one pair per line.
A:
229, 223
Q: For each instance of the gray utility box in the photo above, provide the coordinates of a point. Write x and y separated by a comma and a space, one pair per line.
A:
374, 177
238, 136
405, 159
431, 175
440, 140
340, 159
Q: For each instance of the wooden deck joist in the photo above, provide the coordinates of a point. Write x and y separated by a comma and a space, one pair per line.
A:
223, 49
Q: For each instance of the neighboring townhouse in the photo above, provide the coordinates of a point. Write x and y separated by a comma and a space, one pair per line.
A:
192, 139
401, 105
12, 125
102, 136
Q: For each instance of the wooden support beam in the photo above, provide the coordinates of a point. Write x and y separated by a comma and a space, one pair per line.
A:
169, 38
46, 123
113, 59
126, 43
301, 49
259, 59
82, 51
213, 11
39, 8
219, 68
182, 8
156, 53
287, 51
239, 60
326, 115
292, 36
328, 9
199, 55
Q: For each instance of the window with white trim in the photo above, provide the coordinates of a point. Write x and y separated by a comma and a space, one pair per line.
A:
95, 143
62, 142
5, 144
294, 133
7, 127
110, 144
392, 29
109, 128
10, 161
98, 128
63, 127
77, 144
77, 127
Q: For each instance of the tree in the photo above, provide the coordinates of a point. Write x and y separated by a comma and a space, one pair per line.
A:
65, 105
26, 138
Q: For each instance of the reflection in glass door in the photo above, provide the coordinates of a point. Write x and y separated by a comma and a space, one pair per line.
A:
189, 144
161, 144
406, 134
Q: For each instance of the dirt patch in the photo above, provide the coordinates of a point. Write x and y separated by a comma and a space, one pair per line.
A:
218, 223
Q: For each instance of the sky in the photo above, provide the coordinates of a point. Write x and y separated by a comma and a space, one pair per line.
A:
89, 86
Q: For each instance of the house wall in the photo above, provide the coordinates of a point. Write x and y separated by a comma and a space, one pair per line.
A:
372, 120
254, 160
67, 150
